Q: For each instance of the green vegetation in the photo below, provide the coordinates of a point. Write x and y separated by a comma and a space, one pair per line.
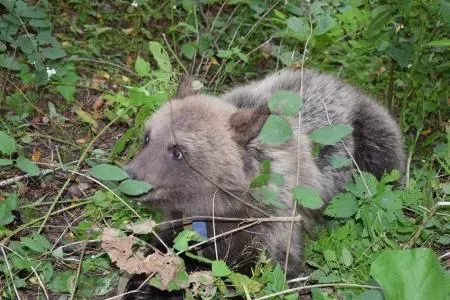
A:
79, 78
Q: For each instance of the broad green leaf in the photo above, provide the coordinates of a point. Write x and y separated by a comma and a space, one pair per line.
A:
445, 43
134, 187
347, 257
62, 282
6, 208
277, 282
87, 118
220, 269
36, 242
46, 271
338, 161
267, 196
402, 54
188, 50
260, 180
40, 23
5, 162
343, 205
359, 189
412, 274
35, 11
108, 172
10, 63
26, 43
276, 130
181, 241
161, 56
330, 134
27, 166
53, 53
285, 103
7, 144
276, 179
308, 197
67, 91
298, 25
370, 295
324, 24
141, 66
239, 280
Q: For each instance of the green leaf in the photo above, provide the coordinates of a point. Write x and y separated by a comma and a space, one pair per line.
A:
67, 91
108, 172
188, 50
338, 162
445, 43
402, 55
411, 274
36, 242
141, 66
6, 208
239, 281
26, 43
260, 180
40, 23
276, 130
161, 56
7, 144
10, 63
308, 197
347, 258
277, 282
27, 166
298, 25
5, 162
266, 196
285, 103
343, 205
330, 134
53, 53
220, 269
324, 24
23, 10
134, 187
181, 241
63, 282
46, 271
359, 189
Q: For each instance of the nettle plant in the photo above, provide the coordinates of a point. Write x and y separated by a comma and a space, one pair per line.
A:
29, 49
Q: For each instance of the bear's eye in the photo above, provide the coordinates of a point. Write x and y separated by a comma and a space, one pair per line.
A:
176, 153
146, 139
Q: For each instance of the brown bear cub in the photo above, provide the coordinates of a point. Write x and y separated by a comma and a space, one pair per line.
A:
202, 152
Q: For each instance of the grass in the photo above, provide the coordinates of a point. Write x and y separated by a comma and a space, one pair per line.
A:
109, 79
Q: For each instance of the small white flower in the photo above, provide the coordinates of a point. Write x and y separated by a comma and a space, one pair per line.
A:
50, 72
134, 4
32, 63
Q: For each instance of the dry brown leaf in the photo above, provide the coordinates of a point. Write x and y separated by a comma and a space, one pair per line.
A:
199, 279
142, 227
98, 103
119, 249
81, 141
36, 155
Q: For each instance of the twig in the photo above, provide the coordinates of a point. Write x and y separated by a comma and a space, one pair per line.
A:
77, 276
419, 230
133, 291
299, 134
288, 291
98, 61
175, 55
15, 179
41, 284
10, 273
214, 224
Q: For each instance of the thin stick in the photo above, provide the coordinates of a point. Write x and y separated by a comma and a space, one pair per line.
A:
77, 276
288, 291
15, 179
10, 272
133, 291
175, 55
41, 284
214, 225
299, 135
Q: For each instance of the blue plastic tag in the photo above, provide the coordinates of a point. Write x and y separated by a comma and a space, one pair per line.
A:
200, 228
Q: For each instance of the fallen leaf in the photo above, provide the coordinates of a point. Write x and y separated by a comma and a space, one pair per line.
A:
142, 227
98, 103
120, 250
81, 141
87, 118
45, 120
202, 279
36, 155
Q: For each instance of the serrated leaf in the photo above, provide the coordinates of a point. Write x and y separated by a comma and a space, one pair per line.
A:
220, 269
7, 144
161, 56
324, 24
6, 208
108, 172
181, 241
62, 282
308, 197
36, 242
141, 66
359, 189
267, 196
285, 103
338, 161
330, 134
342, 206
134, 187
53, 53
27, 166
276, 130
411, 274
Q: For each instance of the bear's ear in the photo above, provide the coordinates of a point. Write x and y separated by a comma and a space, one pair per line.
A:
246, 123
185, 87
